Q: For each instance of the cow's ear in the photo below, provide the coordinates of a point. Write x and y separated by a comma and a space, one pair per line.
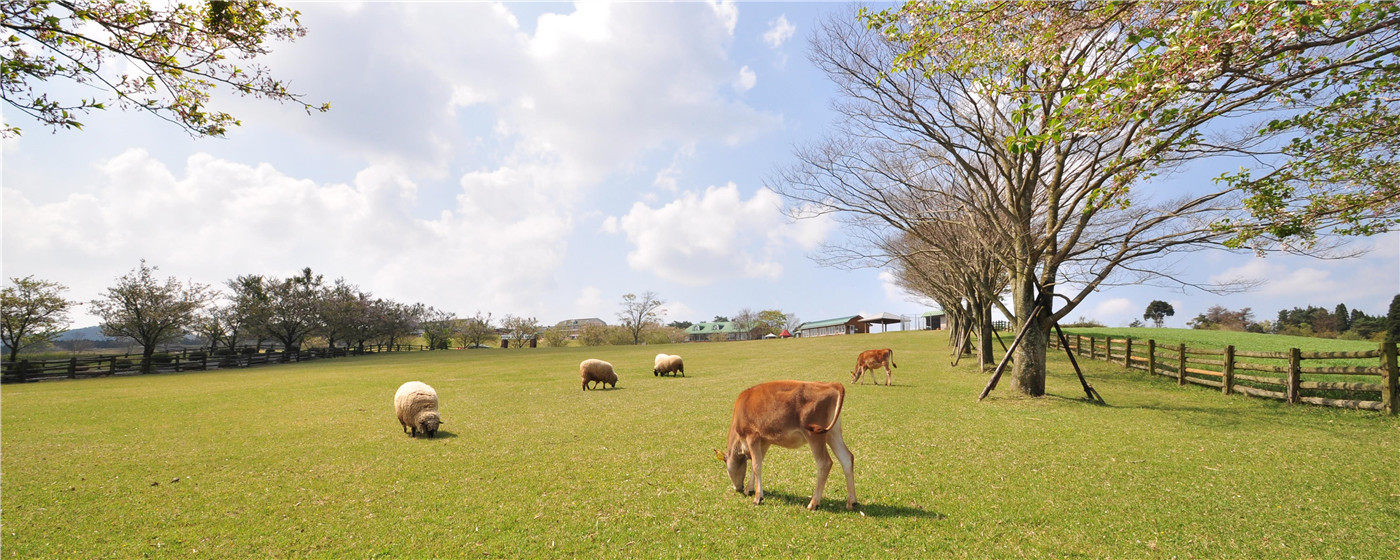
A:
720, 455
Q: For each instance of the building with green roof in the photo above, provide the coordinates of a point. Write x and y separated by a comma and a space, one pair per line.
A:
850, 324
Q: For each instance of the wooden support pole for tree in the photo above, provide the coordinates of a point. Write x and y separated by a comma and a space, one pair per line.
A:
1181, 364
1295, 375
1088, 389
1227, 379
1151, 356
996, 375
1390, 384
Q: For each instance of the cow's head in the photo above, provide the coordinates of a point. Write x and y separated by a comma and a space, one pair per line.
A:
737, 463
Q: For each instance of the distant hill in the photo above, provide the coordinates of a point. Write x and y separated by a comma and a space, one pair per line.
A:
86, 333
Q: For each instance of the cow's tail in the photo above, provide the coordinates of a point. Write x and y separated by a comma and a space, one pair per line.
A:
892, 359
836, 415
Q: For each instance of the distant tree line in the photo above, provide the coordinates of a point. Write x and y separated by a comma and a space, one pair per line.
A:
1339, 322
249, 310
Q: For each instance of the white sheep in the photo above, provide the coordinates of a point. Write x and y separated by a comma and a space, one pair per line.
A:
416, 405
668, 364
597, 371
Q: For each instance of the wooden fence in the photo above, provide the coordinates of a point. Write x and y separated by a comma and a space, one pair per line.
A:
1227, 369
184, 360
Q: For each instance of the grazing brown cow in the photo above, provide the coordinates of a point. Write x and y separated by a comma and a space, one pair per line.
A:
789, 413
871, 360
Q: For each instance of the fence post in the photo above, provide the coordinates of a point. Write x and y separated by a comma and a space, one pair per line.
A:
1181, 364
73, 367
1390, 385
1227, 379
1127, 352
1093, 348
1152, 356
1294, 375
177, 359
112, 368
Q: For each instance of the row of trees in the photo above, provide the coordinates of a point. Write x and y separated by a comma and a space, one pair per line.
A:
1300, 321
991, 149
249, 310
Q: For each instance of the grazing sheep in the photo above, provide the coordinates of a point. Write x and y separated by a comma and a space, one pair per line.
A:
668, 364
597, 371
416, 405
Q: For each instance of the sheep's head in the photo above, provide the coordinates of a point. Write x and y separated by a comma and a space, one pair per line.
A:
428, 422
737, 463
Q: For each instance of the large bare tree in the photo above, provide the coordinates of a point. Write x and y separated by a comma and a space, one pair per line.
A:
640, 312
1068, 222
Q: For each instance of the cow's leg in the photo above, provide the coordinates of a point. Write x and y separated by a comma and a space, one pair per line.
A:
818, 444
887, 374
847, 460
757, 448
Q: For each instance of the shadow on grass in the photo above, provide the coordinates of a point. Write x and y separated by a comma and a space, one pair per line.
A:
1078, 399
441, 434
605, 389
838, 505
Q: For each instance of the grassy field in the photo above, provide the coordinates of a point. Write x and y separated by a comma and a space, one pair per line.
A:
1242, 340
307, 460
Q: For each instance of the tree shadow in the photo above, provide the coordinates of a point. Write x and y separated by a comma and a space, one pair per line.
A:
838, 505
1078, 399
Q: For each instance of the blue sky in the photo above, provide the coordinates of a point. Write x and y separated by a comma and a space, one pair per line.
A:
538, 159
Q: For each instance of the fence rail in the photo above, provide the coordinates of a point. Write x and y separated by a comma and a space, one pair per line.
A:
185, 360
1231, 375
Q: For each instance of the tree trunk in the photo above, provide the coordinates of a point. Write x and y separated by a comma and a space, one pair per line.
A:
984, 338
147, 351
1028, 368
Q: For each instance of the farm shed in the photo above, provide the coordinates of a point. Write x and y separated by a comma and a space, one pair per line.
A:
841, 325
884, 320
933, 321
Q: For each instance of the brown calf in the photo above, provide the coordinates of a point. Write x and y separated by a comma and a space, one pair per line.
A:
871, 360
789, 413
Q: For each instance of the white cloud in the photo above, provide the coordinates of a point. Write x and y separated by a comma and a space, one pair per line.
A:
746, 80
590, 303
700, 238
892, 290
677, 311
1277, 279
216, 219
779, 31
667, 178
578, 92
1114, 312
727, 12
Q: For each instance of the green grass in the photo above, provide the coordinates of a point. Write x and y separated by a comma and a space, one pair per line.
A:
307, 460
1217, 340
